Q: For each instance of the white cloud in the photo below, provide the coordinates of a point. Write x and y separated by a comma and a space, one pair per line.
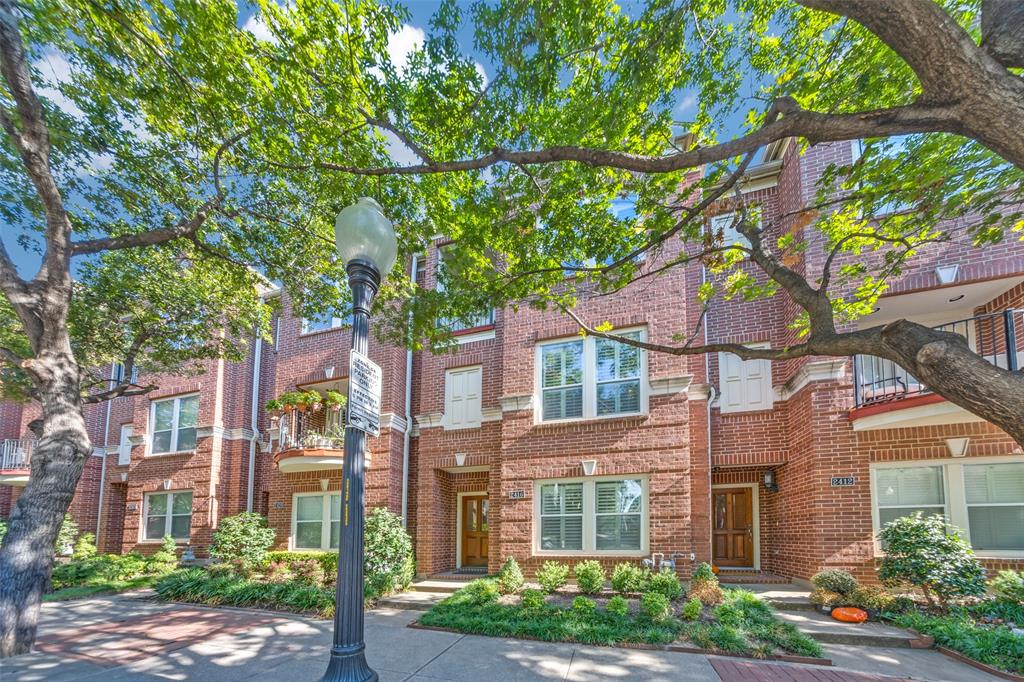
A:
257, 26
56, 69
403, 43
398, 151
686, 103
483, 73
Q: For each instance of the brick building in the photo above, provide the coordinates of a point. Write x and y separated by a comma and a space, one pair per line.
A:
531, 441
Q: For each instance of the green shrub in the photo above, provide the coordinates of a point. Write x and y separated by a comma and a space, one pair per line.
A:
218, 570
926, 552
198, 586
692, 609
328, 560
729, 614
617, 605
242, 540
3, 529
1009, 585
66, 535
308, 572
870, 597
510, 577
655, 606
704, 572
823, 597
629, 578
835, 581
388, 564
666, 583
101, 568
727, 638
996, 646
552, 575
1004, 609
480, 591
165, 559
589, 577
85, 547
583, 606
533, 599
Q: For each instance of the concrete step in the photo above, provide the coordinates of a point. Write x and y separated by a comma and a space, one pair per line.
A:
831, 631
413, 601
433, 585
782, 597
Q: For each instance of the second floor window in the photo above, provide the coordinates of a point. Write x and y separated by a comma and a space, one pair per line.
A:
590, 377
329, 320
173, 422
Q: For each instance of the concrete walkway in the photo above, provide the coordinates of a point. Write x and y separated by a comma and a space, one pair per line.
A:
130, 638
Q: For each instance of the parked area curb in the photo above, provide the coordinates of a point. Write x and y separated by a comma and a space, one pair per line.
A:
979, 665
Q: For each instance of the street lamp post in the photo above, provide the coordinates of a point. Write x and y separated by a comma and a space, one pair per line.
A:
366, 244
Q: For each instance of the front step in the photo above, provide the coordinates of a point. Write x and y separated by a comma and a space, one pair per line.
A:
750, 578
413, 601
830, 631
434, 585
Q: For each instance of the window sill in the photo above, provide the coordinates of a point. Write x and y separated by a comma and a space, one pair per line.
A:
611, 418
160, 542
473, 330
317, 332
176, 453
589, 553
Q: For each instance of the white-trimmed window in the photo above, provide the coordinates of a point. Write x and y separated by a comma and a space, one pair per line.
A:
589, 377
173, 423
605, 515
746, 385
984, 497
328, 320
728, 224
168, 514
124, 445
462, 388
316, 520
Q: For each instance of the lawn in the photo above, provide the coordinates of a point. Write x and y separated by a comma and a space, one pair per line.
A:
100, 587
742, 624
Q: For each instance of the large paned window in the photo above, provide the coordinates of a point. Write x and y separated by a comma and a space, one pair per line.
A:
329, 320
317, 521
590, 377
985, 499
173, 422
168, 514
588, 516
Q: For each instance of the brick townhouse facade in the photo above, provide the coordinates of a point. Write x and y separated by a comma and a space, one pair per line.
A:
531, 441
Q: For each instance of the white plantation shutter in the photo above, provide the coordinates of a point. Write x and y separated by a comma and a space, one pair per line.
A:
124, 447
995, 505
462, 398
618, 511
901, 492
746, 384
561, 516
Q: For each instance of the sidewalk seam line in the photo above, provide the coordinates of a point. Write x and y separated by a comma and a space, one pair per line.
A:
572, 658
438, 655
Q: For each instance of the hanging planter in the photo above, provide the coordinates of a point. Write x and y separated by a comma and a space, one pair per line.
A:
301, 401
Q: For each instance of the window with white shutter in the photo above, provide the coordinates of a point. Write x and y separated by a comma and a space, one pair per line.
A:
746, 385
599, 515
462, 397
124, 446
995, 505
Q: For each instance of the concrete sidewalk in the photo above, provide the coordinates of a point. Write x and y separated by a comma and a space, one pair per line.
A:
128, 638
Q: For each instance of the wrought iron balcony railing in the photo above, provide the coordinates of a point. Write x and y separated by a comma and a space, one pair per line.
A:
997, 337
15, 453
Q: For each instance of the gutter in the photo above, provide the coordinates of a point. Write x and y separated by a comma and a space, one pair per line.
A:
712, 394
103, 466
256, 362
407, 435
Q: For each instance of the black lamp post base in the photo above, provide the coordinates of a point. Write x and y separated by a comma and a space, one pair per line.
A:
348, 664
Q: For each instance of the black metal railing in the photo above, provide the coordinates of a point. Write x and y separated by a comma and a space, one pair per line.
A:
484, 319
997, 337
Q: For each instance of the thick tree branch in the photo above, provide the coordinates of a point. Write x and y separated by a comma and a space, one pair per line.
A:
794, 122
124, 390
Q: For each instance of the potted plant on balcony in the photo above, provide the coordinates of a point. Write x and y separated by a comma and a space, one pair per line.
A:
334, 401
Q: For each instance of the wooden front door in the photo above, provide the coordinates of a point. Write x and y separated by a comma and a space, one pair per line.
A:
474, 530
733, 532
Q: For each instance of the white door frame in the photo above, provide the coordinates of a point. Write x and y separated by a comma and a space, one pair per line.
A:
755, 513
458, 525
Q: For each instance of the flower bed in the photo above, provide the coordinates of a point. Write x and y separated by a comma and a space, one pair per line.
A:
197, 586
741, 624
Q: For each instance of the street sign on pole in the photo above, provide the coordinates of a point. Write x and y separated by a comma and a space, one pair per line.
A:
364, 383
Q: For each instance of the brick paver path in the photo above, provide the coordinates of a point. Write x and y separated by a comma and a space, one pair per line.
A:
111, 644
738, 670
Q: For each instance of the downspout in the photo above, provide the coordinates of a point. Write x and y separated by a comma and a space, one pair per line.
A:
406, 437
256, 361
103, 466
712, 394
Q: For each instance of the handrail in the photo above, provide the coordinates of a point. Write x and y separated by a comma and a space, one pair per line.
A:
16, 453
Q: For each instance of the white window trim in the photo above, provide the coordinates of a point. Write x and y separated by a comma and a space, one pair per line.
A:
325, 523
124, 445
589, 379
336, 323
768, 388
955, 496
590, 517
446, 421
167, 517
714, 220
174, 426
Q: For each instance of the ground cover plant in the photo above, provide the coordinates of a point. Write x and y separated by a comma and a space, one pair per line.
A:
741, 623
89, 573
993, 645
197, 586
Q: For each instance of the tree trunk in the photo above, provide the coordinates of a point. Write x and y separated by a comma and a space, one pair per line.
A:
27, 553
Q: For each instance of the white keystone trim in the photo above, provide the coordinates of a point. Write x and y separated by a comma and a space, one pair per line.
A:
820, 370
671, 385
513, 403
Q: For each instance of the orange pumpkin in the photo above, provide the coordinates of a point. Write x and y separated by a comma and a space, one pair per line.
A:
849, 614
714, 569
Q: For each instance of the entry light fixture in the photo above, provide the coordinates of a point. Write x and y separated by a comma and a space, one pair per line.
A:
957, 446
589, 466
769, 481
947, 273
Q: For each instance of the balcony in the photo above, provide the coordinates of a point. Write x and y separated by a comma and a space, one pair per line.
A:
469, 324
15, 461
881, 386
309, 440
